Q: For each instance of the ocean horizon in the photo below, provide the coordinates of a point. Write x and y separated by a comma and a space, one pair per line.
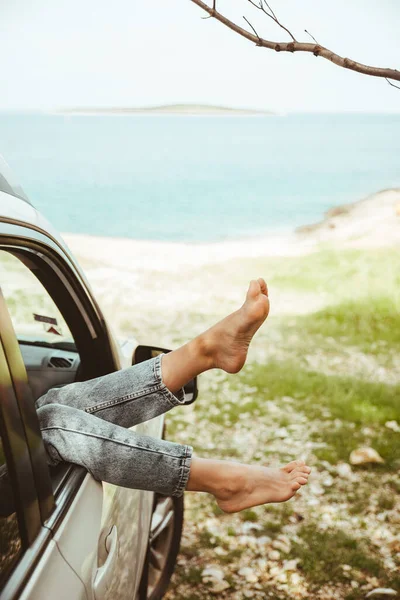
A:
197, 178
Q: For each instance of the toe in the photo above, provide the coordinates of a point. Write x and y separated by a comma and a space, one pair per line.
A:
254, 289
293, 465
295, 486
301, 480
263, 286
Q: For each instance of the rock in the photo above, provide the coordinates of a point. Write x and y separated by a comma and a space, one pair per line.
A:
362, 456
295, 578
282, 545
264, 540
344, 470
219, 586
248, 526
290, 565
249, 574
282, 432
215, 576
393, 425
274, 555
213, 572
327, 481
382, 593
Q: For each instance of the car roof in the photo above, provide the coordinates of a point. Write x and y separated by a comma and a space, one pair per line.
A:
21, 212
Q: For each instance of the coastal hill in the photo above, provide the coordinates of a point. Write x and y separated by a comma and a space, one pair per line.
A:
167, 109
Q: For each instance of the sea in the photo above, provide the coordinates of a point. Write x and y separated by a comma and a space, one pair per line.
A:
197, 178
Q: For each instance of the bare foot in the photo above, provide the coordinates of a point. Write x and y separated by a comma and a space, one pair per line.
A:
228, 341
253, 485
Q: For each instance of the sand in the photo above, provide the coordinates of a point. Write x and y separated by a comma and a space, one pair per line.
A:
371, 222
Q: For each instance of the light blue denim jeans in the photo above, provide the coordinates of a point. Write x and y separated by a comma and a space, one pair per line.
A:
87, 423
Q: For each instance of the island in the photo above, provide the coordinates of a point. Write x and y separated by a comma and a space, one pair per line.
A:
168, 109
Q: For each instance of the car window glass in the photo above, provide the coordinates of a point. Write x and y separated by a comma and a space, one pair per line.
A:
10, 540
35, 316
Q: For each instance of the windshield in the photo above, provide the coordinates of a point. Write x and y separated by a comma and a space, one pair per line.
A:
8, 183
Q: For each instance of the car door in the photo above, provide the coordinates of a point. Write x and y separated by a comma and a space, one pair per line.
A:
100, 531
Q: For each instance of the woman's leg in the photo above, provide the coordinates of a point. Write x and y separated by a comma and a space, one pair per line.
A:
125, 458
151, 388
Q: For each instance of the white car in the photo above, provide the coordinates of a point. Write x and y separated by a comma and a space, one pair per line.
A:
64, 535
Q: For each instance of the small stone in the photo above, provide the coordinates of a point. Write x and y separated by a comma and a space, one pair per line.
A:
219, 586
249, 574
327, 481
214, 572
365, 455
262, 564
344, 470
274, 555
290, 565
282, 578
393, 425
295, 578
382, 592
346, 567
264, 540
282, 433
279, 545
220, 551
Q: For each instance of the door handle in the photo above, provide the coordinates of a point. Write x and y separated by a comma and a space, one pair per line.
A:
105, 573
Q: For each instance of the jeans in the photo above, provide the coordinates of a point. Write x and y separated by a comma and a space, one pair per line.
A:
87, 423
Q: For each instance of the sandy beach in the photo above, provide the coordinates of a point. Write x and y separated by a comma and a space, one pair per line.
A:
370, 222
182, 279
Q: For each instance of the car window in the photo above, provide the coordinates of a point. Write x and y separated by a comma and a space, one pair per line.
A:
34, 314
10, 539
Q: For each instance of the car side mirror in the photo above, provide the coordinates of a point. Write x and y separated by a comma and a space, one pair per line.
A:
143, 353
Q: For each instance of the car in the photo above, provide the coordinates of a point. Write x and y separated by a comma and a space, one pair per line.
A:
64, 535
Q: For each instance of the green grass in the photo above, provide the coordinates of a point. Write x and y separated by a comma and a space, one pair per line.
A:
322, 554
371, 324
349, 399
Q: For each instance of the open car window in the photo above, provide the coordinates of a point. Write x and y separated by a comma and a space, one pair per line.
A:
35, 316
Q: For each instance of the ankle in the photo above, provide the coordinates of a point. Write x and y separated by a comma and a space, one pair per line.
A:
223, 479
204, 348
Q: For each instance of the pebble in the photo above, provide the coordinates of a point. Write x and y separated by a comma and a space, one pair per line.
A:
249, 574
282, 546
344, 470
382, 592
213, 571
274, 555
219, 586
290, 565
365, 455
393, 425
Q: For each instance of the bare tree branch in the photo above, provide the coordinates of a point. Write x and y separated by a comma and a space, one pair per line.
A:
296, 46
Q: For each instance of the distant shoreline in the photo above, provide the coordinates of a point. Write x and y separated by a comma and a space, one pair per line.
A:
373, 222
173, 109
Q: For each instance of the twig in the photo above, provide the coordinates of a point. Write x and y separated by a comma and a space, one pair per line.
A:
311, 36
295, 46
271, 15
248, 22
392, 84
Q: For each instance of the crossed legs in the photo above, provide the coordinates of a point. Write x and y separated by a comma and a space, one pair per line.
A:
114, 453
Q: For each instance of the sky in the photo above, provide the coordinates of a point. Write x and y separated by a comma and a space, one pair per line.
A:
59, 54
